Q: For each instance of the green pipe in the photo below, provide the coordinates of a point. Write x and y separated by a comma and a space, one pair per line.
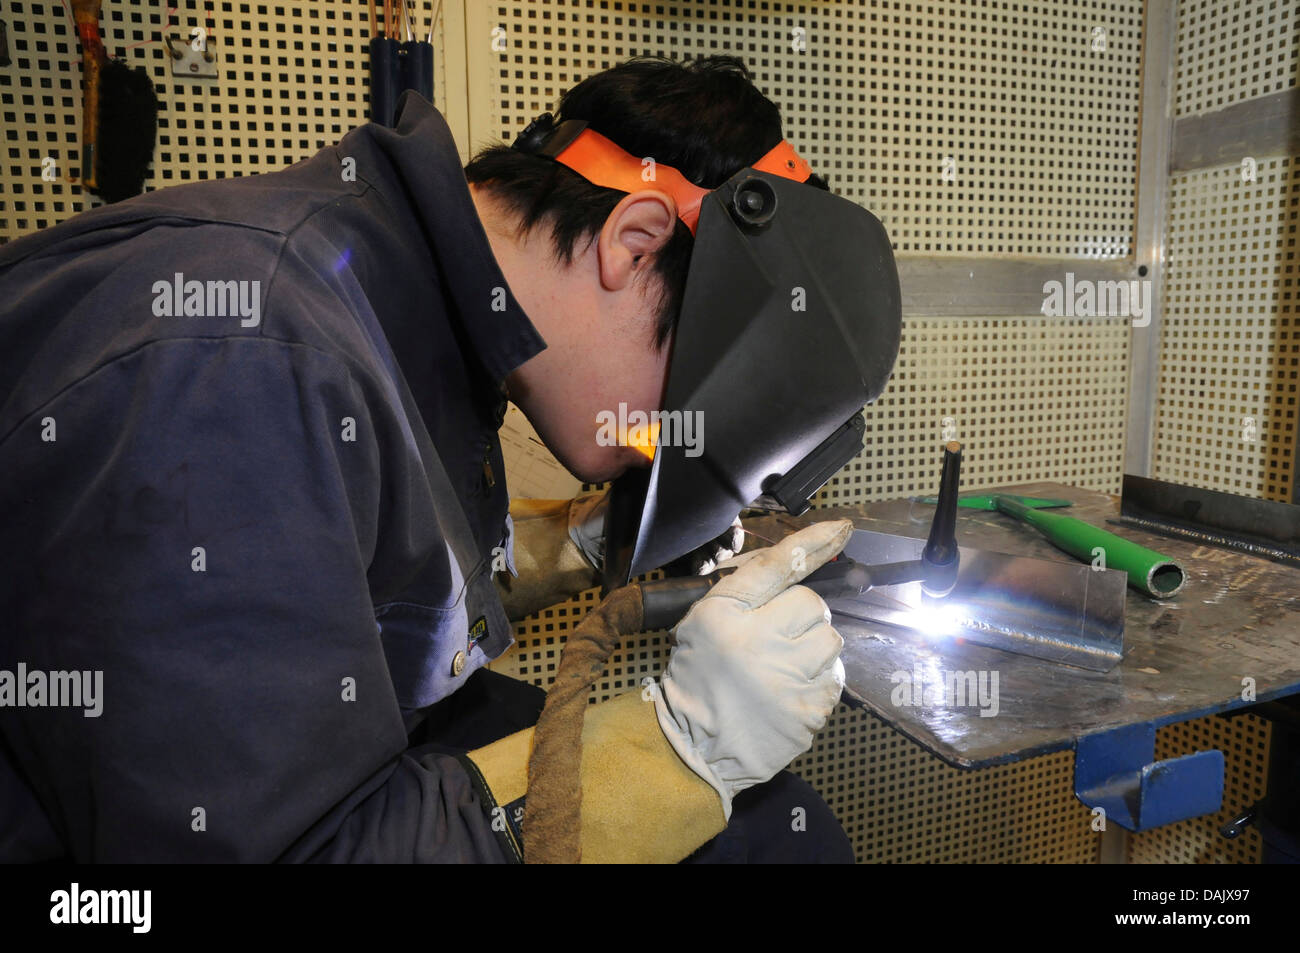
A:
987, 501
1148, 571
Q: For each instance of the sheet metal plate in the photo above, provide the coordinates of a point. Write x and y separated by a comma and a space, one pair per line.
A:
1238, 617
1070, 614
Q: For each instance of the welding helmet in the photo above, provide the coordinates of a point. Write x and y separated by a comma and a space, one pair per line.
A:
789, 326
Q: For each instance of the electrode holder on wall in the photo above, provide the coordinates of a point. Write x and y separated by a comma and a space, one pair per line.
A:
394, 68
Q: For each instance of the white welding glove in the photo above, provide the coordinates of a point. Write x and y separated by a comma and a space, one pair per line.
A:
756, 670
587, 530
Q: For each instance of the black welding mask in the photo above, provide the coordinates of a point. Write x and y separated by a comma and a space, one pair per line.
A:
789, 326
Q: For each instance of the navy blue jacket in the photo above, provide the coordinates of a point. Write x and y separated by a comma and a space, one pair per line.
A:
256, 520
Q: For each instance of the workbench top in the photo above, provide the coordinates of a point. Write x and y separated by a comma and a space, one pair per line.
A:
1237, 617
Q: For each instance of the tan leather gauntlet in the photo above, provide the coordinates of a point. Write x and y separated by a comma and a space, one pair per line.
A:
551, 568
641, 804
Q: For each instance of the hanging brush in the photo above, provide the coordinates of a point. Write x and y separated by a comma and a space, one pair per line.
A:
119, 120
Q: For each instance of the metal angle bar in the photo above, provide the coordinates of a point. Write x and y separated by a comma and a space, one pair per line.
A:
1061, 612
1159, 42
1262, 528
945, 287
1264, 126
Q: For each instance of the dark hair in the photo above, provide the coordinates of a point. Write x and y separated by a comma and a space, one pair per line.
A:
704, 118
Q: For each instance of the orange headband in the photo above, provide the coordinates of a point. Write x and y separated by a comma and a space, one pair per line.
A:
601, 162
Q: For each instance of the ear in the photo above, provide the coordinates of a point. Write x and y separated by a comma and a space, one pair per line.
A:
640, 225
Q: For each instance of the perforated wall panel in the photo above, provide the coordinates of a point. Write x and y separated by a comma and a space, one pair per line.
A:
292, 80
1233, 50
1030, 398
900, 804
1244, 743
1226, 414
1230, 356
969, 129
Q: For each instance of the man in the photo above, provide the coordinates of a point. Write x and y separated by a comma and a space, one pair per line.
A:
254, 497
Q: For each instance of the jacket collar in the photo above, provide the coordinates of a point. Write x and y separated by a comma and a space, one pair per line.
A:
428, 169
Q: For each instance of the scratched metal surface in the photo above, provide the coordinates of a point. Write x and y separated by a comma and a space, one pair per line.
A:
1184, 657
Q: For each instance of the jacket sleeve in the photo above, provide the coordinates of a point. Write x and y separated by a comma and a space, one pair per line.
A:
199, 531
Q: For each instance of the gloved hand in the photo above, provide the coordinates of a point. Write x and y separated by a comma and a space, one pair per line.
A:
702, 561
587, 530
755, 673
559, 550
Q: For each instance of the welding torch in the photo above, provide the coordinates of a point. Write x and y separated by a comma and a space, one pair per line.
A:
664, 602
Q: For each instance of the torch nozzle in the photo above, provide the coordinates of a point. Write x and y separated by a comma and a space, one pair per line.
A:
941, 558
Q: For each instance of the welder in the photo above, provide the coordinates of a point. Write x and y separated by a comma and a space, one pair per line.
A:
285, 544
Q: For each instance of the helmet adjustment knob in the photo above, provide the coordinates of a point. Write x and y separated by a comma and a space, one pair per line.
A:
754, 202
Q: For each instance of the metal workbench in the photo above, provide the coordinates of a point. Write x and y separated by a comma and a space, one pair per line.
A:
1237, 618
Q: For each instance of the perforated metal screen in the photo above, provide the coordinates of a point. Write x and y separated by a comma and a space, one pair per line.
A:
292, 80
1244, 742
1226, 414
1232, 51
1030, 398
899, 804
1230, 355
968, 129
